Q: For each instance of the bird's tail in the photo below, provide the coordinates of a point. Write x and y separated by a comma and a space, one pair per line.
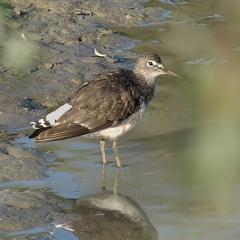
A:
40, 126
41, 123
38, 131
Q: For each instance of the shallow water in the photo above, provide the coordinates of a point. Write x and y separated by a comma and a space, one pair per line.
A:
160, 155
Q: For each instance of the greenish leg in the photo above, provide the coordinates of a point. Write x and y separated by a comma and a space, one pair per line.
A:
102, 144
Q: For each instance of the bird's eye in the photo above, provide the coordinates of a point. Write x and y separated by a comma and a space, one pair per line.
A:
150, 63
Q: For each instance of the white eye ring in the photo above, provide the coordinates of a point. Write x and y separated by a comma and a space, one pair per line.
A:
151, 63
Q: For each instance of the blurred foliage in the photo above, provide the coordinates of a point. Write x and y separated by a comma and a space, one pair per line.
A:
5, 4
212, 169
207, 38
16, 50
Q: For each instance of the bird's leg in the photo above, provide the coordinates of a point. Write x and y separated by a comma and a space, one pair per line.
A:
102, 144
116, 154
116, 182
104, 177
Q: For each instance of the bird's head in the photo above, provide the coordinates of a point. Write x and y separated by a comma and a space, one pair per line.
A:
149, 66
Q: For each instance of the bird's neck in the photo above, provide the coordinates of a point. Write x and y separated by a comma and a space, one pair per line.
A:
147, 85
145, 79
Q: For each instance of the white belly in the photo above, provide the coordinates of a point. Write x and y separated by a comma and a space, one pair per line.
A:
113, 133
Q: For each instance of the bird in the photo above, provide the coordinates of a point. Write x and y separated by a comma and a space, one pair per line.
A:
107, 107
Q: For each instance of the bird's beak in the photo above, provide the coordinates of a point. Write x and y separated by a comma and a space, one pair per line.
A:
172, 74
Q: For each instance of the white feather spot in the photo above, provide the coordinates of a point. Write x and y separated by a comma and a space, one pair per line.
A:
42, 122
54, 116
34, 125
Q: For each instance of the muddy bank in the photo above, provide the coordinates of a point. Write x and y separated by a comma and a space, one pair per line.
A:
21, 164
22, 209
46, 54
53, 44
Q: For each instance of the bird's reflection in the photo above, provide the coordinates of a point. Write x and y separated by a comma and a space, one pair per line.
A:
109, 215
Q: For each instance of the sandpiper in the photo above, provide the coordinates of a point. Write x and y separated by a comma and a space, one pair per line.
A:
106, 108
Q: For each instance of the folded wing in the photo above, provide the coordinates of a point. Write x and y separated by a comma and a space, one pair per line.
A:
100, 104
